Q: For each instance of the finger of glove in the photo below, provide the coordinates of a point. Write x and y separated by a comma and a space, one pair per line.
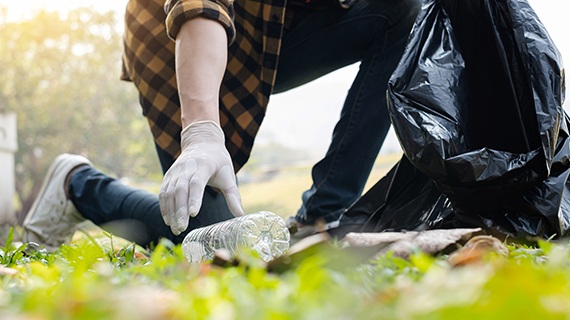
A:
226, 180
233, 199
172, 175
180, 222
180, 218
171, 206
196, 193
163, 201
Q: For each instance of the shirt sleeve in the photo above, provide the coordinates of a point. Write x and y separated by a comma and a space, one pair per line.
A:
180, 11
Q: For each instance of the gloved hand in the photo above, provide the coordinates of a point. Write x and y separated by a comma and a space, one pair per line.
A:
204, 161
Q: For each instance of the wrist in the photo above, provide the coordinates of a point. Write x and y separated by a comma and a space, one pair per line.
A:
197, 109
206, 130
200, 123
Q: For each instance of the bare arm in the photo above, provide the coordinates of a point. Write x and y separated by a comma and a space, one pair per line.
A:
201, 58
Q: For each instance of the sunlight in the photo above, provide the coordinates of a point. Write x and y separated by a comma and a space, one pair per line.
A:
320, 101
21, 9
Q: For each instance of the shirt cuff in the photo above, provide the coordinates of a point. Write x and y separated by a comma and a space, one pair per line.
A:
180, 11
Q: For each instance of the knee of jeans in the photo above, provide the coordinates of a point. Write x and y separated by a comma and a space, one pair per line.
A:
414, 4
399, 14
414, 8
392, 8
403, 26
411, 12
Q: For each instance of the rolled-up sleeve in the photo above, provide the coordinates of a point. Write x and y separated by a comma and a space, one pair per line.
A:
180, 11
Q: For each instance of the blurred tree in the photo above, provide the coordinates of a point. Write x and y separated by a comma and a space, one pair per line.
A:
60, 74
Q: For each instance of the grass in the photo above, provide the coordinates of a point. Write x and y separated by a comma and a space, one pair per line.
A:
100, 276
90, 280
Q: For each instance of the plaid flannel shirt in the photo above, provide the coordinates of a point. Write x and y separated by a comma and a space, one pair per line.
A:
254, 29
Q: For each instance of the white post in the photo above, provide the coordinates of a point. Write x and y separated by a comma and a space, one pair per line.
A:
8, 146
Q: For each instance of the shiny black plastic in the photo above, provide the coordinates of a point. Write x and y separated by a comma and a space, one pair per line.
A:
476, 103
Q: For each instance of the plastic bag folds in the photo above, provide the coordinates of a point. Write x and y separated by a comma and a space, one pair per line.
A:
476, 103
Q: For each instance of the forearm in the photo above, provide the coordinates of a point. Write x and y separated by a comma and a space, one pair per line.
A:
201, 58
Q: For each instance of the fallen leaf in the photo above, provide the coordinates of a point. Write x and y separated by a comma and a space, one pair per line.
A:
140, 256
403, 243
476, 249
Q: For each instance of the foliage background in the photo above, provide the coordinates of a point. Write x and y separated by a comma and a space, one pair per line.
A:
60, 75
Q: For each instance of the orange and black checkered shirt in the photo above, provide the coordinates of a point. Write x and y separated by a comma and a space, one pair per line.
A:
254, 29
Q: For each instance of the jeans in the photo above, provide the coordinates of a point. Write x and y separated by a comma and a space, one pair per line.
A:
373, 32
132, 213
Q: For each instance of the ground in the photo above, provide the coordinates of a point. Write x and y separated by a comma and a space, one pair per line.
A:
103, 277
100, 276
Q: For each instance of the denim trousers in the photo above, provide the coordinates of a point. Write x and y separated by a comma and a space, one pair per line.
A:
373, 32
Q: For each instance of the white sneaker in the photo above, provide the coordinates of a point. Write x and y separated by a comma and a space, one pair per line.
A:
53, 218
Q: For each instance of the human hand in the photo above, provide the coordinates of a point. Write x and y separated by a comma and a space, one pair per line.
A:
204, 161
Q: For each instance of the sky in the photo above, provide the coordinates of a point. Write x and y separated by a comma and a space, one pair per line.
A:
305, 117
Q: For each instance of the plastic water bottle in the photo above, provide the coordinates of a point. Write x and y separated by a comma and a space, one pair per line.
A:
263, 232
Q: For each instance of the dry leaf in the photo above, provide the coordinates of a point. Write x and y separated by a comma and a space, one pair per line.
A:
140, 256
403, 243
477, 248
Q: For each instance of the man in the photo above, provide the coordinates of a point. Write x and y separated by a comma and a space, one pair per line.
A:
205, 71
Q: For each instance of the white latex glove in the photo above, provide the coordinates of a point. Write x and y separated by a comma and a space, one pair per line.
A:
204, 161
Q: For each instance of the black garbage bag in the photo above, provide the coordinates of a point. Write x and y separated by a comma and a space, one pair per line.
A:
476, 103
